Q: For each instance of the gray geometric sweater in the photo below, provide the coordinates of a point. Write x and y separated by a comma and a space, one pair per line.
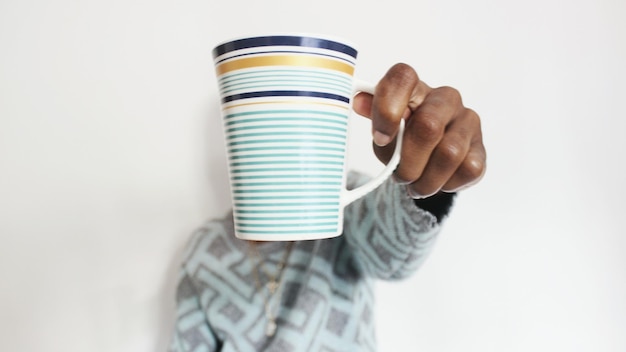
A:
327, 294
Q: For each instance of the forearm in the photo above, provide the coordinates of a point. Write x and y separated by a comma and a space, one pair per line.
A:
389, 235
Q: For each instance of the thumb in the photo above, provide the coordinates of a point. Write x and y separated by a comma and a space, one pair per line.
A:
362, 104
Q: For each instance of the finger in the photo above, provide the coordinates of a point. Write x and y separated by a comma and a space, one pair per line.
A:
470, 171
362, 104
448, 155
425, 130
396, 92
474, 166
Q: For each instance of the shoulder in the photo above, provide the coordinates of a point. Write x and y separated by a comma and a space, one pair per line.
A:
212, 243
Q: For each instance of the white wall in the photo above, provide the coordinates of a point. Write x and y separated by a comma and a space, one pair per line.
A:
111, 154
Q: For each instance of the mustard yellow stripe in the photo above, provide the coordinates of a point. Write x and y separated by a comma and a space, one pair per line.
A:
284, 60
344, 107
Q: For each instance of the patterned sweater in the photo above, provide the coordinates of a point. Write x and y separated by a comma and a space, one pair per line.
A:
326, 302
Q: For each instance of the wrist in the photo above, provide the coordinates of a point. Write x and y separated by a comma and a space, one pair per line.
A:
438, 205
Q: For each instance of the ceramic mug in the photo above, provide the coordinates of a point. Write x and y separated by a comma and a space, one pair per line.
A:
286, 100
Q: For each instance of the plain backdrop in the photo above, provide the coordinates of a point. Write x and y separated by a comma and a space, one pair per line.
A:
111, 154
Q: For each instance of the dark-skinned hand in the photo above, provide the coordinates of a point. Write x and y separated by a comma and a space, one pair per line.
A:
442, 148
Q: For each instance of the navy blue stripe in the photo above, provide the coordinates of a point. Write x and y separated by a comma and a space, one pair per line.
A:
283, 41
285, 93
284, 52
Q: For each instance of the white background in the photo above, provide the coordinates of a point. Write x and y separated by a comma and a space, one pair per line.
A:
111, 153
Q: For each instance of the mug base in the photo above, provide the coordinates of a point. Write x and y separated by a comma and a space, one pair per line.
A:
285, 238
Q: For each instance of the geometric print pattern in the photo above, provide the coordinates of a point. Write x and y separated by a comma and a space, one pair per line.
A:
327, 302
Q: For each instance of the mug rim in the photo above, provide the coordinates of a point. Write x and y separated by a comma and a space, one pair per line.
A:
312, 35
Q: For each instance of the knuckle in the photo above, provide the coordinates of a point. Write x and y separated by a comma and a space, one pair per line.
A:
404, 70
451, 93
472, 169
473, 117
391, 112
428, 128
402, 74
452, 153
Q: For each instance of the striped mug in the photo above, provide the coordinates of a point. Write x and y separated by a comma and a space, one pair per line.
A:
285, 103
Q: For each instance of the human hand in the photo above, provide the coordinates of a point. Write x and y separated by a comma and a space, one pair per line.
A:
442, 148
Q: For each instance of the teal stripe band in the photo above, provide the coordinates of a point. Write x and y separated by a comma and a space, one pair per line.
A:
321, 224
264, 76
297, 212
287, 78
272, 198
274, 170
242, 75
304, 219
300, 120
274, 112
295, 176
293, 125
283, 184
265, 205
309, 165
287, 147
287, 155
288, 190
279, 232
289, 141
281, 85
275, 134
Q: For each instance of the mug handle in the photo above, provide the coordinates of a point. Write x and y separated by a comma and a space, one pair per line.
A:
350, 196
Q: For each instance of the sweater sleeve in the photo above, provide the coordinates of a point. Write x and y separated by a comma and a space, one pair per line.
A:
191, 331
389, 235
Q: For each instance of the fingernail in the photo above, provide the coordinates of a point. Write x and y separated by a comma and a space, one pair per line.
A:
414, 194
398, 180
381, 139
